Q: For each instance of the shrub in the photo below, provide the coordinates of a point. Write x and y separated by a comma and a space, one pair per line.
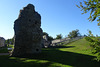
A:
95, 44
89, 39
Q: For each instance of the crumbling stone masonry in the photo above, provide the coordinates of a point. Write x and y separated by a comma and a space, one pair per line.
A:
28, 34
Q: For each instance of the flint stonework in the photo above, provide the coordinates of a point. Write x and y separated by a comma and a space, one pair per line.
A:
28, 32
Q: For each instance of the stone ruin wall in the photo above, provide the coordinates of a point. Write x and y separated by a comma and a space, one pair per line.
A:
28, 32
2, 42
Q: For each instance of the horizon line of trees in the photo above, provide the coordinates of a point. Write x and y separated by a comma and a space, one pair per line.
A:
72, 34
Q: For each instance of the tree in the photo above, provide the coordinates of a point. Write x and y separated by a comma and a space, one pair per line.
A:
95, 45
94, 7
10, 41
74, 33
50, 38
59, 36
90, 33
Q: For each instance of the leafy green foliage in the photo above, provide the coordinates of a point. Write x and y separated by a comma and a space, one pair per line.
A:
95, 44
90, 33
89, 39
73, 34
50, 38
59, 36
10, 41
94, 7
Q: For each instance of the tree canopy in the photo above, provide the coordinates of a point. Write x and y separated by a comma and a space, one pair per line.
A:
94, 7
59, 36
10, 41
73, 34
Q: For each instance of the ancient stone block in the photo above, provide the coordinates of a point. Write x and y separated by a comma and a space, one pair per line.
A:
28, 34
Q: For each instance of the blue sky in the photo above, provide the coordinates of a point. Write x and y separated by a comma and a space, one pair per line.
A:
58, 17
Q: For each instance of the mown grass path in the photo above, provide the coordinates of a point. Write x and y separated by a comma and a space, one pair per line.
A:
75, 54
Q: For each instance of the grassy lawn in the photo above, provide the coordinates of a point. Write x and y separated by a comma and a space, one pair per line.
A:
75, 54
5, 50
10, 46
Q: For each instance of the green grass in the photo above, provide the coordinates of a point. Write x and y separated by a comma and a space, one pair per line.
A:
5, 50
81, 46
10, 46
75, 54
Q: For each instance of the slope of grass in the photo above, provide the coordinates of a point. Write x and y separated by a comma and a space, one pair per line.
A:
81, 46
75, 54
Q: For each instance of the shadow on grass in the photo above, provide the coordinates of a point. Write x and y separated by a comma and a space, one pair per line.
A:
52, 55
68, 58
6, 61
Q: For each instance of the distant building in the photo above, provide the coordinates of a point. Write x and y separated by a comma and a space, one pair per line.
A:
2, 42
